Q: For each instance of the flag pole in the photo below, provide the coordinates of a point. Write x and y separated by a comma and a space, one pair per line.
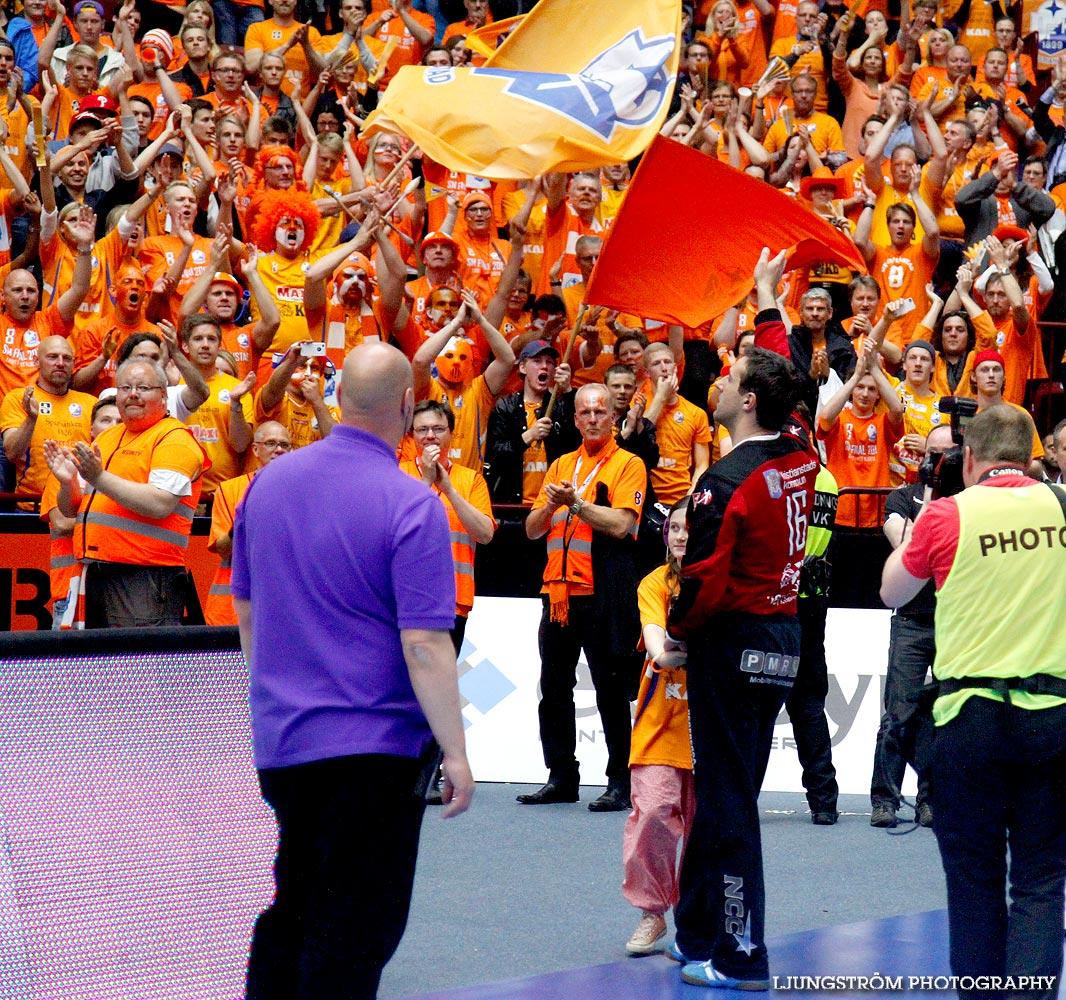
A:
566, 357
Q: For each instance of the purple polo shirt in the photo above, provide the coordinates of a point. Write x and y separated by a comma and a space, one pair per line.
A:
338, 550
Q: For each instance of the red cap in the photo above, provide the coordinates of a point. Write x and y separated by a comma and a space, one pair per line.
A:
990, 355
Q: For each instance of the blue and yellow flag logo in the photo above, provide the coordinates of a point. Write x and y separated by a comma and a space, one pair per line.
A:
537, 106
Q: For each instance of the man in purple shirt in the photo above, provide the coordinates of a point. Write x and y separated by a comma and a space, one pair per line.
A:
344, 593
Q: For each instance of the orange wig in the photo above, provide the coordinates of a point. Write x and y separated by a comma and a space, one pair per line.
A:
269, 207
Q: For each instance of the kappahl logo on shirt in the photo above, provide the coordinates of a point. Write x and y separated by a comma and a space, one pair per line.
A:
31, 339
74, 409
871, 433
679, 417
223, 396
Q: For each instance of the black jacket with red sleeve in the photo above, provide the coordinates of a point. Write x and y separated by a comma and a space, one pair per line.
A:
747, 533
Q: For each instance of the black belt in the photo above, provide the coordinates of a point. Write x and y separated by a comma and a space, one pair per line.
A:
1035, 684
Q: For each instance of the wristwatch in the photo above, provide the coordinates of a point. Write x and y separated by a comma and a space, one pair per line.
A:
576, 507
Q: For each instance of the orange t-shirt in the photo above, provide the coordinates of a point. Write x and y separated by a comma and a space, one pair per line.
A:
564, 227
1017, 349
154, 93
680, 427
267, 35
858, 450
660, 724
481, 262
58, 260
408, 51
903, 274
90, 340
18, 353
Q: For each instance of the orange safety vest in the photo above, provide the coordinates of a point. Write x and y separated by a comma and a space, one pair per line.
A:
462, 546
218, 608
570, 538
108, 532
62, 566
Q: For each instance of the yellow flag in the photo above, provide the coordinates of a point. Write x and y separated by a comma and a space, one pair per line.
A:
484, 40
575, 85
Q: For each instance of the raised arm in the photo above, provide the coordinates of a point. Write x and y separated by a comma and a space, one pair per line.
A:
84, 228
502, 363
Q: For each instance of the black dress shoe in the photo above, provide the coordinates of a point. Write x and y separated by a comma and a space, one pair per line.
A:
551, 792
615, 799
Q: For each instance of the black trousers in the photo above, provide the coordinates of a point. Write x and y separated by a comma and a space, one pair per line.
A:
1000, 784
806, 707
737, 682
560, 648
905, 735
347, 844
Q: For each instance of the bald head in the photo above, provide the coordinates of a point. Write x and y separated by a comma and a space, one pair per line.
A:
377, 391
268, 429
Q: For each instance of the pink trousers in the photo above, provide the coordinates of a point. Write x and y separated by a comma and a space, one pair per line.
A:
664, 803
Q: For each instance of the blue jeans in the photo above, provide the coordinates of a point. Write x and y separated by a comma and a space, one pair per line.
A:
233, 20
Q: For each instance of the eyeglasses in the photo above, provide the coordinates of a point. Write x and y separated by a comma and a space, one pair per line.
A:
435, 431
139, 389
275, 444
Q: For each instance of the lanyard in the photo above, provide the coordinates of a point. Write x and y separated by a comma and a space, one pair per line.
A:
579, 490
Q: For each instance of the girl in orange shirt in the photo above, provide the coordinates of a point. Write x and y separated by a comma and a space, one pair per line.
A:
660, 761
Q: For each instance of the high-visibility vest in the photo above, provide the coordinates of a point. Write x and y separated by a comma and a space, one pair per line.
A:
997, 611
218, 608
62, 565
462, 545
109, 532
569, 550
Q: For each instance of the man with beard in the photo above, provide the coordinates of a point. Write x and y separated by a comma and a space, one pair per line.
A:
142, 484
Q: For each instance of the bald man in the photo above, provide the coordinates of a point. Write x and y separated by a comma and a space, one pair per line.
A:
346, 745
24, 327
47, 409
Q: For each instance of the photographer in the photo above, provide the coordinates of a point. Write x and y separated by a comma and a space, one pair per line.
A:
905, 734
997, 555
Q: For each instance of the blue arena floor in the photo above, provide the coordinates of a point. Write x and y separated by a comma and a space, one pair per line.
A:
912, 947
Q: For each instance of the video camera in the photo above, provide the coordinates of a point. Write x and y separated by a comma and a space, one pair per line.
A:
942, 472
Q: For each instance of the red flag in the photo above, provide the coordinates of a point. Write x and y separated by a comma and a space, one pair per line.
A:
685, 244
